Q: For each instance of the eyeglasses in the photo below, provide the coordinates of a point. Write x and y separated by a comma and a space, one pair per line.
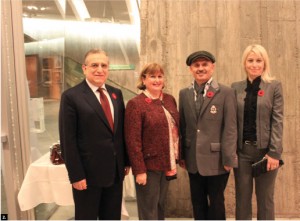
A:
95, 66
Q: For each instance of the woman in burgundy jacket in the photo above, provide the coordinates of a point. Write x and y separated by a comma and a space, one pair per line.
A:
152, 140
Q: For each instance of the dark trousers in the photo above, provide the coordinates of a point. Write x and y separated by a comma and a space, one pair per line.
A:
102, 203
264, 186
151, 197
207, 193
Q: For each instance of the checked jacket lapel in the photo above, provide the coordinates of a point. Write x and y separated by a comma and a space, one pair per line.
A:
210, 94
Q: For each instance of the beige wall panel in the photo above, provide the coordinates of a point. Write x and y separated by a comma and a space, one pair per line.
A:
283, 60
287, 183
297, 94
282, 10
192, 40
264, 24
230, 197
206, 13
207, 40
297, 6
171, 30
287, 189
228, 42
290, 146
180, 31
153, 44
228, 69
250, 20
144, 29
178, 202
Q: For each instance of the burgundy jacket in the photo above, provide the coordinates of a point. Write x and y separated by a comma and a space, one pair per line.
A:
147, 132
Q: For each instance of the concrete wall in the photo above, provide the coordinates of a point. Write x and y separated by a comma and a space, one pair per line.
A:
172, 29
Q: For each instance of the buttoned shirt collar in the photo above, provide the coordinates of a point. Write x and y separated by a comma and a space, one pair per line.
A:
95, 88
206, 87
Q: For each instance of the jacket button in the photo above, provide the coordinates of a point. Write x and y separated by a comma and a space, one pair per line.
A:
198, 131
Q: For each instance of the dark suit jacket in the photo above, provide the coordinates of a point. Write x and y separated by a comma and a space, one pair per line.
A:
269, 116
91, 150
209, 141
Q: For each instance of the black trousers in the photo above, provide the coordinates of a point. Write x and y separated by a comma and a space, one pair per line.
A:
104, 203
207, 193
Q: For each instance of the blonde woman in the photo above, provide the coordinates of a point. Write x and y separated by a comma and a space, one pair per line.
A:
260, 125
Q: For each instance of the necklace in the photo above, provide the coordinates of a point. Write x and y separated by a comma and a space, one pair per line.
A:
147, 93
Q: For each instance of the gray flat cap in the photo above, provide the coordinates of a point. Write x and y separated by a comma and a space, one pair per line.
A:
199, 54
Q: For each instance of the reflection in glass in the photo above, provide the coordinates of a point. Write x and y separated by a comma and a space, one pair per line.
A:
57, 34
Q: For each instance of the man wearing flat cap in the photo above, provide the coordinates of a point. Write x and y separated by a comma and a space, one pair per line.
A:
208, 128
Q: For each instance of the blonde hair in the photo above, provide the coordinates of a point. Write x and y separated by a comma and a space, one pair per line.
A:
148, 69
261, 51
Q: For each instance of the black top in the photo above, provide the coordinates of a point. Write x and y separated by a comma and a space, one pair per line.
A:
250, 108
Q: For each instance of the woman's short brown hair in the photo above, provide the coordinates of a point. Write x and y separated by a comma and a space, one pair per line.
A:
150, 68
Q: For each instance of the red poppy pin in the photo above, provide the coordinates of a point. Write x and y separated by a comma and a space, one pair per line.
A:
114, 96
260, 93
148, 100
210, 94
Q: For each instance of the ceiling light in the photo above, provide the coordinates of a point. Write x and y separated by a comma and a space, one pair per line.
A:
32, 7
79, 8
61, 5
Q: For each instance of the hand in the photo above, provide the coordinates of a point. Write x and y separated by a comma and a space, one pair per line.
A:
127, 170
182, 164
141, 179
227, 168
80, 185
272, 164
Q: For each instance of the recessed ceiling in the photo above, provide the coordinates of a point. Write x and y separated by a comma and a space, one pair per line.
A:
99, 10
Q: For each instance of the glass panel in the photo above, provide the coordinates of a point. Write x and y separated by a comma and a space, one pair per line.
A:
4, 209
57, 34
44, 56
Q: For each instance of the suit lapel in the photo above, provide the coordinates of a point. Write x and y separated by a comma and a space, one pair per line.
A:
191, 101
260, 99
94, 103
212, 90
241, 95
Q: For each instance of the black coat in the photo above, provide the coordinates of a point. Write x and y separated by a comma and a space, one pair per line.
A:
91, 150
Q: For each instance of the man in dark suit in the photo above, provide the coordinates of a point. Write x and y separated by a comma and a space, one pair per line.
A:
91, 120
209, 136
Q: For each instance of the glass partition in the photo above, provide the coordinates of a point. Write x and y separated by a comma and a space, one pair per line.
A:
57, 34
